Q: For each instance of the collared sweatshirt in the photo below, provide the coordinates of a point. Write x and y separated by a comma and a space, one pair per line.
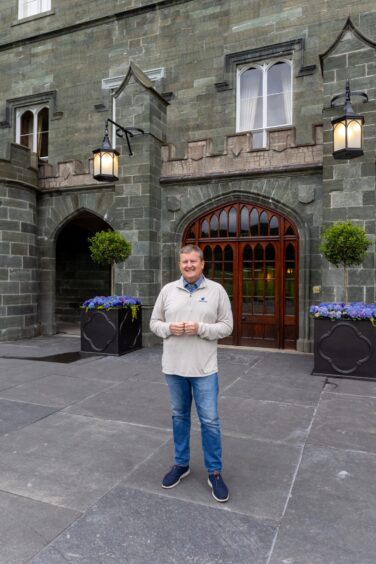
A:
209, 306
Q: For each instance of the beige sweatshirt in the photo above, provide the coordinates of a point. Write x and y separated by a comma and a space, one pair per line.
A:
209, 306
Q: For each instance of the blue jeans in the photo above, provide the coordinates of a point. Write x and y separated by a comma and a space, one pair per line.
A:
205, 393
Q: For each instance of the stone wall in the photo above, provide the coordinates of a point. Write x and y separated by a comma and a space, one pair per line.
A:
19, 287
349, 186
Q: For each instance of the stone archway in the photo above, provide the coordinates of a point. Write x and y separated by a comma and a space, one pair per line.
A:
77, 277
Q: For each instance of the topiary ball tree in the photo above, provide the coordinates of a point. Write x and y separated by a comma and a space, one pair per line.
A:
109, 248
344, 245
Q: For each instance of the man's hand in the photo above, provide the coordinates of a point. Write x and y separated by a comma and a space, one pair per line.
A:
190, 328
177, 328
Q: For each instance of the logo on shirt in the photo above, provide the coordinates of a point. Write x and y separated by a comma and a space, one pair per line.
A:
203, 300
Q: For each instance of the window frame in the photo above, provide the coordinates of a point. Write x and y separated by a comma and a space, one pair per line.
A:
44, 6
264, 67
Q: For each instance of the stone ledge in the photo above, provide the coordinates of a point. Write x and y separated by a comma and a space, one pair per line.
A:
239, 156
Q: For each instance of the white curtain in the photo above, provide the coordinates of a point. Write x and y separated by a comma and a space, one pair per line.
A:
250, 89
279, 95
286, 89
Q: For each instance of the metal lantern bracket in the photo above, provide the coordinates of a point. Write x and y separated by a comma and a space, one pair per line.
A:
126, 132
347, 96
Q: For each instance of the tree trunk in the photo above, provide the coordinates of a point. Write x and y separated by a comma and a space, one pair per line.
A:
346, 283
113, 279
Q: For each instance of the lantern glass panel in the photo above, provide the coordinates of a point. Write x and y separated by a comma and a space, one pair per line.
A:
339, 136
97, 164
106, 162
354, 134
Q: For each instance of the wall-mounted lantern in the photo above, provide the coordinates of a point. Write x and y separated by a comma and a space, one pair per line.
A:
348, 129
106, 159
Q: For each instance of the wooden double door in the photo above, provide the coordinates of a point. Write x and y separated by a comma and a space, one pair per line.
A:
253, 252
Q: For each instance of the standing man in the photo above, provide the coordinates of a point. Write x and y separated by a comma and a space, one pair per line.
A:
190, 315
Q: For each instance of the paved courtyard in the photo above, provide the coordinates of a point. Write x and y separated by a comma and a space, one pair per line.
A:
84, 445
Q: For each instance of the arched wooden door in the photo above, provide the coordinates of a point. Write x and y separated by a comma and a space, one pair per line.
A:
253, 252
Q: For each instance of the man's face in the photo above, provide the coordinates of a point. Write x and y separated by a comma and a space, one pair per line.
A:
191, 266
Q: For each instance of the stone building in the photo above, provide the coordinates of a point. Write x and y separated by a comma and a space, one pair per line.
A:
234, 98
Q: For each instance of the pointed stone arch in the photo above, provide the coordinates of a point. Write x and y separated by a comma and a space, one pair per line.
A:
55, 267
303, 237
348, 32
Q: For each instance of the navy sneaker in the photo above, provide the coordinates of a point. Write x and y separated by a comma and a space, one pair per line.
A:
174, 476
219, 488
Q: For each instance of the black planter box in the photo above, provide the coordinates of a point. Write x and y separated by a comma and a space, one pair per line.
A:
110, 332
344, 348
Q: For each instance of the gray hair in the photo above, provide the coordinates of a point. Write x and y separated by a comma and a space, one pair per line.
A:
191, 249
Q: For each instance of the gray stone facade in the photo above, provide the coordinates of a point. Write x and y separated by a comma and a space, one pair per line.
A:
190, 158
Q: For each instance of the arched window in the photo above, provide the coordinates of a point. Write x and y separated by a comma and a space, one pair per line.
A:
264, 99
32, 129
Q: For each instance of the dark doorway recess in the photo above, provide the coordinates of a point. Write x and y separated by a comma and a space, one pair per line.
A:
253, 252
77, 276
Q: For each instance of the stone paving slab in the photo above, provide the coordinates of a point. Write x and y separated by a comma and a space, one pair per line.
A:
26, 526
345, 421
16, 415
257, 473
55, 390
130, 526
331, 517
132, 402
293, 388
72, 461
265, 420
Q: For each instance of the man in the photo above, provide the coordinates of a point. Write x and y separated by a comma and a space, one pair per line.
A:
191, 314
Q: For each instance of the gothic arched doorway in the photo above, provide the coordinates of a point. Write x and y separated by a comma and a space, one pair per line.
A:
253, 252
77, 276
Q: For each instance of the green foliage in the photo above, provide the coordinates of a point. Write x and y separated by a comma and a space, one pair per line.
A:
344, 244
109, 247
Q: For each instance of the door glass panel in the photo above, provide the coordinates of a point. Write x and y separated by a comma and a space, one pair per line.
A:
208, 254
289, 230
254, 222
289, 271
244, 221
258, 305
217, 264
205, 228
259, 252
223, 224
290, 306
228, 271
232, 223
270, 306
247, 280
214, 226
274, 227
270, 252
264, 224
290, 252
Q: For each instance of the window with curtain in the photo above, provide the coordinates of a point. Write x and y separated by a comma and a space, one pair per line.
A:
32, 129
28, 8
264, 99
